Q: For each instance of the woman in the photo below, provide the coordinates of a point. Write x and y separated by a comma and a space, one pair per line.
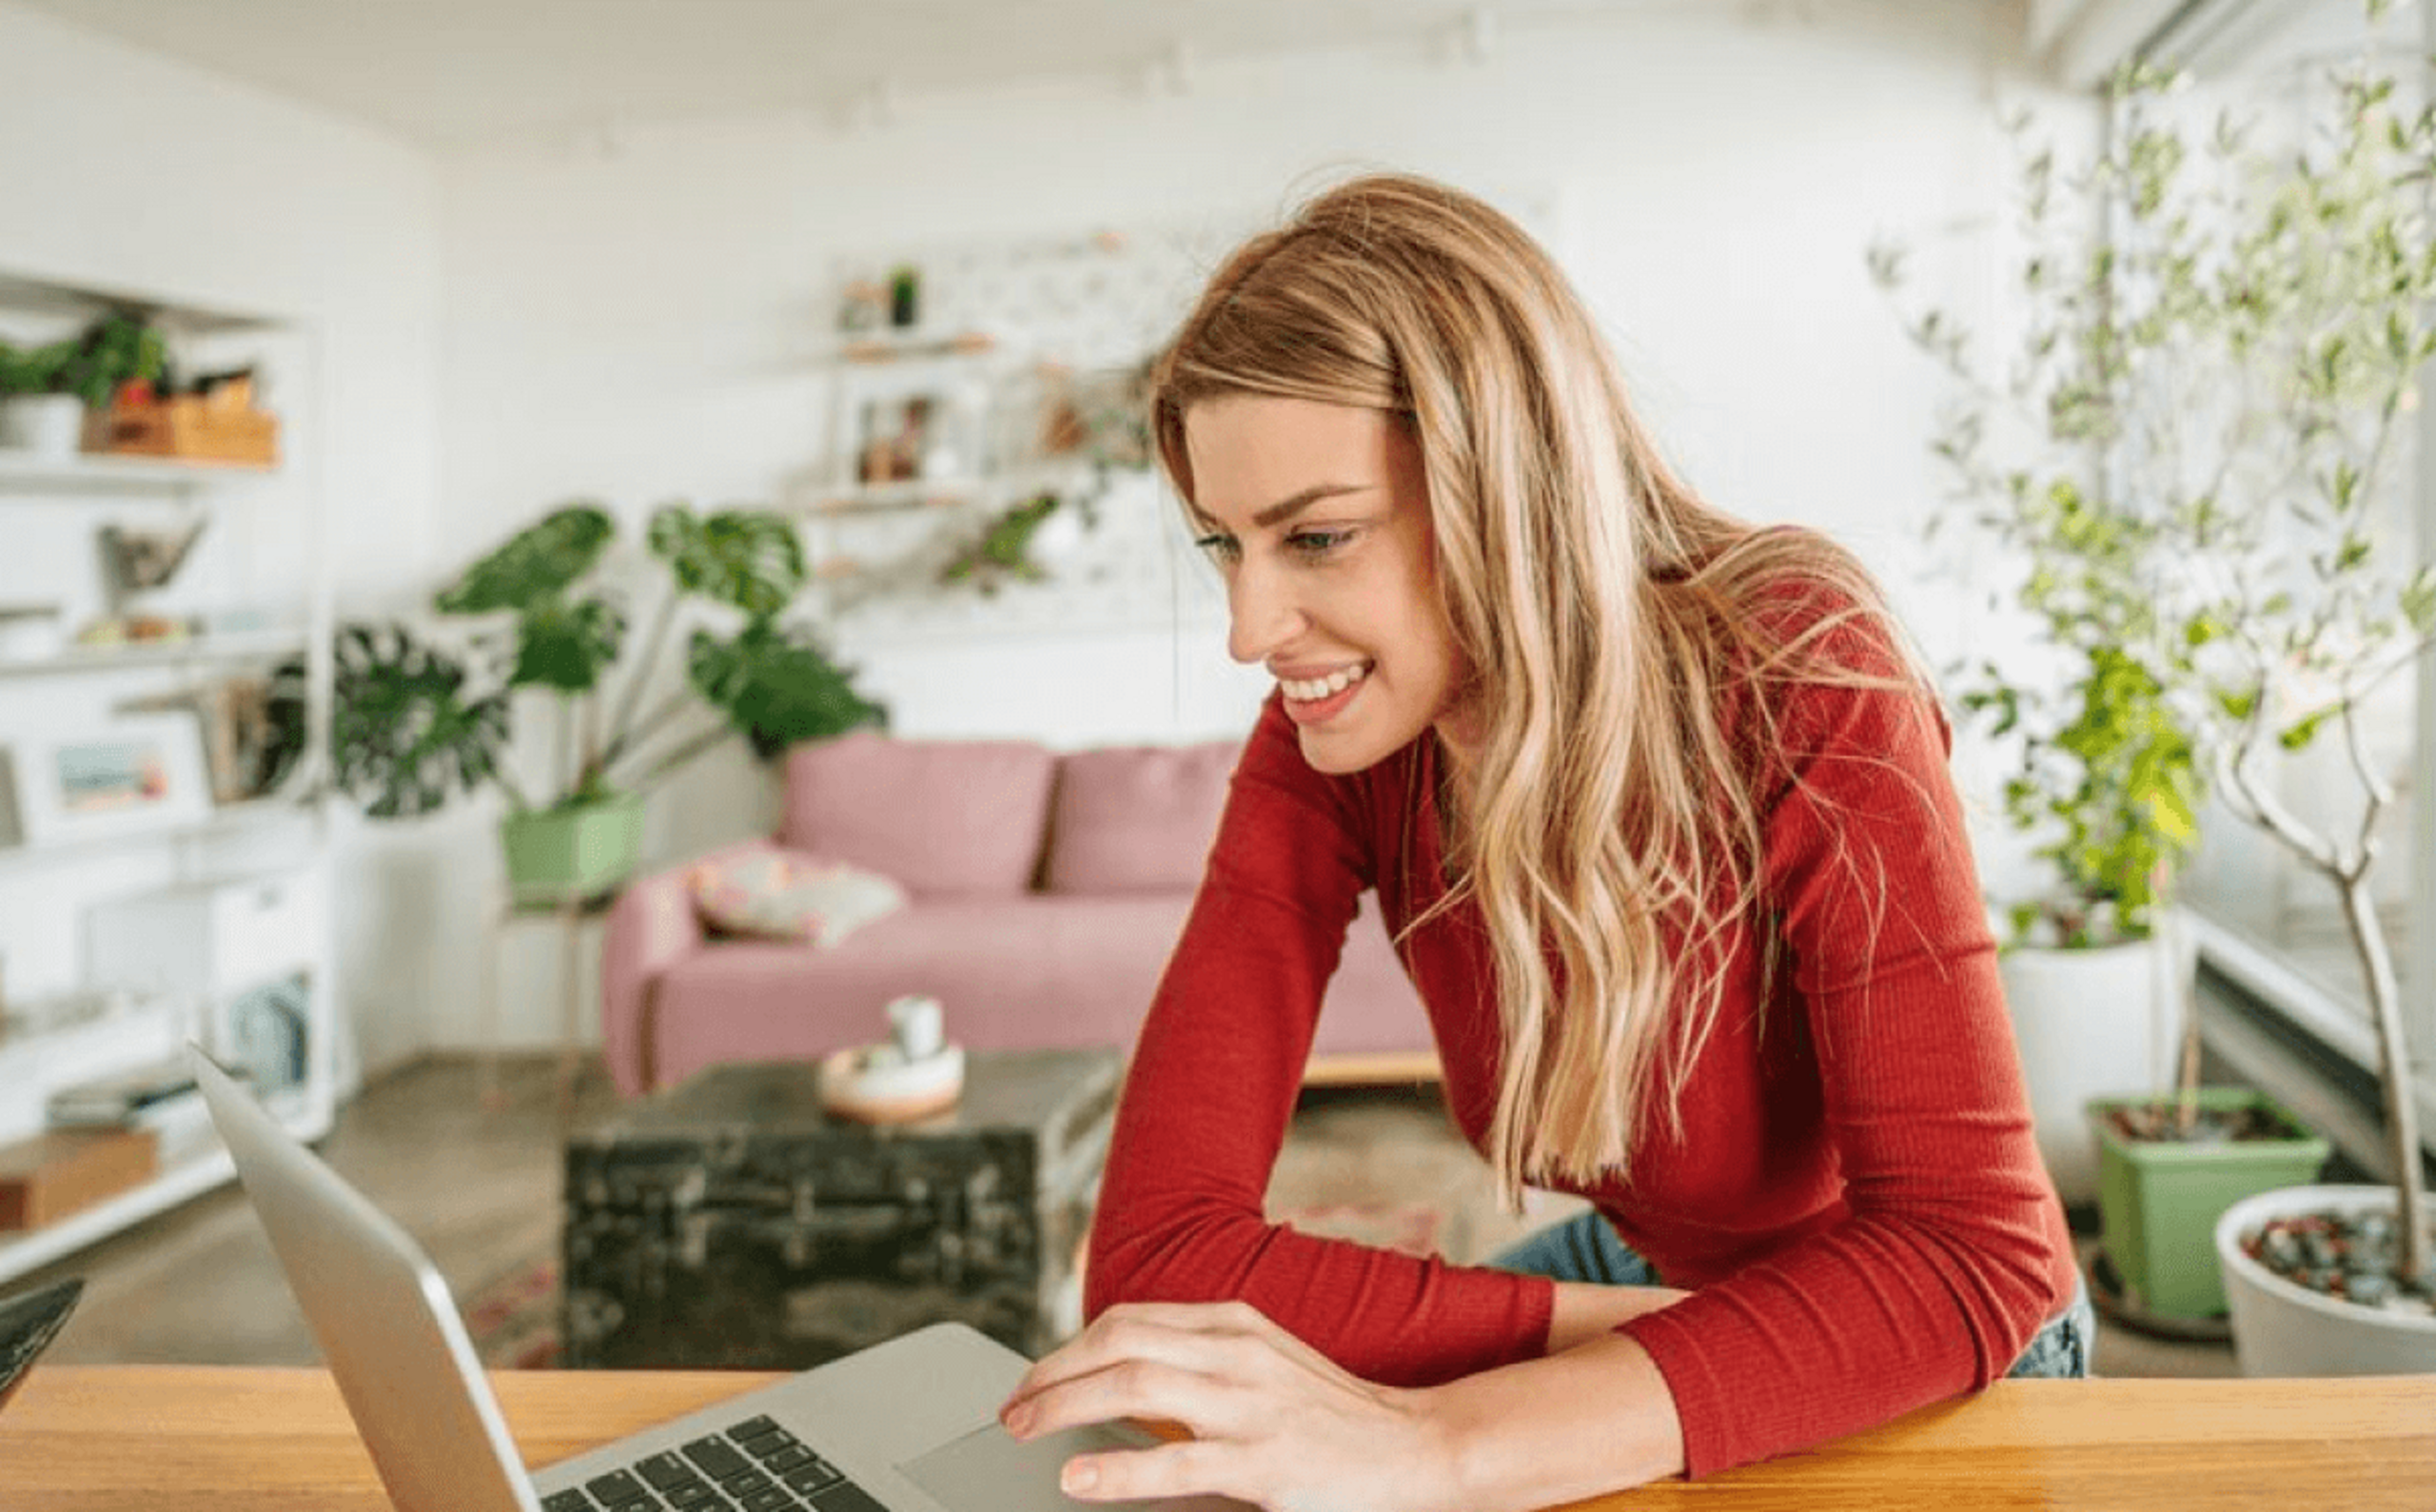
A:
1658, 809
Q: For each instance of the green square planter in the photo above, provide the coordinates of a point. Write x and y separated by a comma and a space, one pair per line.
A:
562, 856
2159, 1200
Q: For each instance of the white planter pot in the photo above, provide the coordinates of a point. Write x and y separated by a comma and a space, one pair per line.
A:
46, 425
2089, 1026
2280, 1328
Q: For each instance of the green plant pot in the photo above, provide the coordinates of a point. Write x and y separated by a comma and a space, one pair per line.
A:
2159, 1200
563, 855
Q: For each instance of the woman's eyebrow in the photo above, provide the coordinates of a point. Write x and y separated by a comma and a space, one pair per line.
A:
1286, 508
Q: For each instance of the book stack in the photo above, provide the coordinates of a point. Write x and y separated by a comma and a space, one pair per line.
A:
160, 1098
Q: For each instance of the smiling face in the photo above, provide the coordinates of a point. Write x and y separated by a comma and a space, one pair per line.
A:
1317, 516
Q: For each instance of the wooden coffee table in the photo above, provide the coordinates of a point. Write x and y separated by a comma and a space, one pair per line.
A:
729, 1223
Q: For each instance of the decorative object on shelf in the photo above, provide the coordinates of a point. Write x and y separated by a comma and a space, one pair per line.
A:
48, 1176
47, 392
926, 434
247, 747
416, 723
862, 307
905, 296
136, 630
143, 560
2232, 555
265, 1033
1102, 418
131, 774
245, 752
215, 420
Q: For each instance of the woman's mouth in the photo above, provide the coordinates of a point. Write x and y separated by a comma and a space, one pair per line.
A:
1310, 700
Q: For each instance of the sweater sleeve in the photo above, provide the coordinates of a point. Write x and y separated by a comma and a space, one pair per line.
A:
1944, 1261
1212, 1085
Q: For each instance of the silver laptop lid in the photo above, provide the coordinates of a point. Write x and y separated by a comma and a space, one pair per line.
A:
384, 1317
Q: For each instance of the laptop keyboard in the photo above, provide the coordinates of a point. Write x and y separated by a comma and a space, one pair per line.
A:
755, 1467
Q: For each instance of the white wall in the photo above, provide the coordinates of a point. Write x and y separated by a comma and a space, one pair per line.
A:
125, 171
640, 316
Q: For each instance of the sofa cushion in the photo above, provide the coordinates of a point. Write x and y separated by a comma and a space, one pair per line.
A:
943, 817
1136, 818
783, 895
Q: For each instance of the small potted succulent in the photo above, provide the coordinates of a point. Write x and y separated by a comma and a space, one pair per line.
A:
417, 721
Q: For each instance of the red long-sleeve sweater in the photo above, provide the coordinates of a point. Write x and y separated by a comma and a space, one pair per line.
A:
1856, 1200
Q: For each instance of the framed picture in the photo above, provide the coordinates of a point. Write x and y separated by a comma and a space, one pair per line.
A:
909, 431
130, 774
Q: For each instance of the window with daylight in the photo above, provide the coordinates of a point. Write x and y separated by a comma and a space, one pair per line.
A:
2322, 792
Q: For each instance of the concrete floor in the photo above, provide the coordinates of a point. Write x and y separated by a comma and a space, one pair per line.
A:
476, 1184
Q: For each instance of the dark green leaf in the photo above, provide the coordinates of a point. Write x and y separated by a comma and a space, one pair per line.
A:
538, 565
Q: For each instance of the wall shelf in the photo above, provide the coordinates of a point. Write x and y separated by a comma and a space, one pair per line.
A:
272, 574
89, 472
224, 821
197, 651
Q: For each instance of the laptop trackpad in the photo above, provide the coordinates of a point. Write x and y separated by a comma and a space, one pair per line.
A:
989, 1470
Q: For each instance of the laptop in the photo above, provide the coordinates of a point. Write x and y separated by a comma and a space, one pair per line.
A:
908, 1425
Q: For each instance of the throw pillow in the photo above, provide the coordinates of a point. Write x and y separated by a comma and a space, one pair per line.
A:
782, 896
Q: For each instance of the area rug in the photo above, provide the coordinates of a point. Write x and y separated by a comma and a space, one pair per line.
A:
514, 1321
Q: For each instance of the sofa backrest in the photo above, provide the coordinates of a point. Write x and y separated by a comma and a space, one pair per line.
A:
938, 816
1136, 818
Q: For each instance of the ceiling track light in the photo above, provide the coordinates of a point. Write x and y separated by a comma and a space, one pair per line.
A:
1171, 72
877, 109
1476, 35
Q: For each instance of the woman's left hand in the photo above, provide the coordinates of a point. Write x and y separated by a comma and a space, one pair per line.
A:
1273, 1422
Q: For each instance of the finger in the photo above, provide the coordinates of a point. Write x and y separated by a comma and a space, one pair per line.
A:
1190, 1467
1168, 1331
1130, 1389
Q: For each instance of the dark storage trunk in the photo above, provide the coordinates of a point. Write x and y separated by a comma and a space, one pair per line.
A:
730, 1223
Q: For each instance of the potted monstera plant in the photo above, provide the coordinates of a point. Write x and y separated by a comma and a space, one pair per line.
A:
417, 721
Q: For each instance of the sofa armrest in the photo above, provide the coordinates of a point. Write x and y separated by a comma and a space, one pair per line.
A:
651, 928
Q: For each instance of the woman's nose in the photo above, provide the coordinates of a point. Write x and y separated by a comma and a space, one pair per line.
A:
1261, 614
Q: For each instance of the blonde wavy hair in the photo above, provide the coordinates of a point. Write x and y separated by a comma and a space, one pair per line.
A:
1609, 819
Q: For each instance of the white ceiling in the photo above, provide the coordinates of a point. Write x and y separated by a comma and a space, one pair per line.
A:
448, 72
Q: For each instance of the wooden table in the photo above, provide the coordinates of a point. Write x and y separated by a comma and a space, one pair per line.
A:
169, 1437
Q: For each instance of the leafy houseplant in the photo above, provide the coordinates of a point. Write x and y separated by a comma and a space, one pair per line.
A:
2220, 354
416, 722
81, 372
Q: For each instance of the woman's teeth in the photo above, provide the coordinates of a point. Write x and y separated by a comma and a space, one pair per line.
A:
1318, 688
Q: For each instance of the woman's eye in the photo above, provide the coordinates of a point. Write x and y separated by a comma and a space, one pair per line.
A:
1317, 542
1218, 548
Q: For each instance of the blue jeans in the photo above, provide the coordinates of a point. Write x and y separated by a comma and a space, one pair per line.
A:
1585, 1248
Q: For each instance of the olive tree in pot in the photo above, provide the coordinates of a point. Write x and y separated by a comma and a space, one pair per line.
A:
2221, 378
2220, 351
2108, 777
417, 721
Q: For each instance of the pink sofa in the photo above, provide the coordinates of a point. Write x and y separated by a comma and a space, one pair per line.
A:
1045, 892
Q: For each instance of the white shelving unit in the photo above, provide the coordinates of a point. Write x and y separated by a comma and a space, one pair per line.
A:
263, 553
